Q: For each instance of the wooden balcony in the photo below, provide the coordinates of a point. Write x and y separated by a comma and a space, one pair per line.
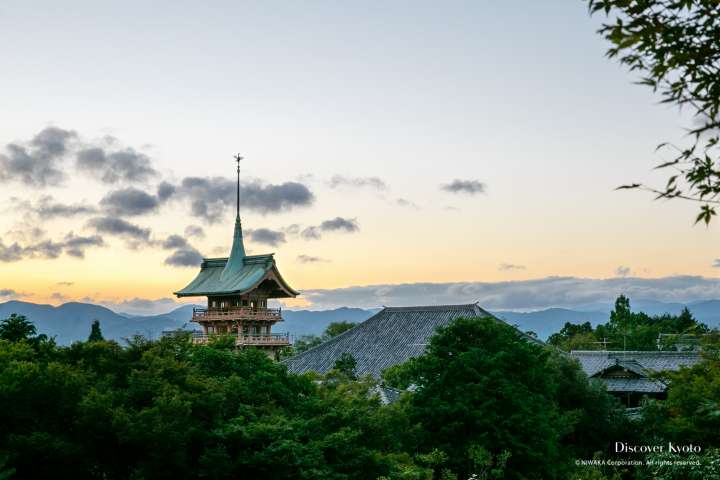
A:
236, 313
270, 340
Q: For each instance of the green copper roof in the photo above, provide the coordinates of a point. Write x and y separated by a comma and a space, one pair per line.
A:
237, 274
235, 262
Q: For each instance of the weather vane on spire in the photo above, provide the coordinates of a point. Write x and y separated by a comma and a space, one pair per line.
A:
237, 159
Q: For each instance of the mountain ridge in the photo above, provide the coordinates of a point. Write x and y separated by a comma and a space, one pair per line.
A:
71, 321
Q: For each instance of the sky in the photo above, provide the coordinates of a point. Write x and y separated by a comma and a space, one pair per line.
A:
387, 145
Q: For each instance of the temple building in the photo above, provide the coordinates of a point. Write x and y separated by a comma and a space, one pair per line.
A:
630, 375
238, 289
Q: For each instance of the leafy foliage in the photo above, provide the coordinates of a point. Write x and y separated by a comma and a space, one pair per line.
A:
95, 332
169, 409
16, 328
627, 330
471, 404
675, 45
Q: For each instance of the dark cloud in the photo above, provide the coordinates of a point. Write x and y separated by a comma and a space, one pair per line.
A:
120, 227
37, 162
44, 249
504, 267
115, 166
173, 242
716, 263
185, 257
567, 292
194, 231
72, 245
623, 271
210, 197
165, 190
275, 198
314, 232
339, 223
11, 253
370, 182
129, 202
471, 187
47, 208
310, 259
75, 245
266, 236
8, 292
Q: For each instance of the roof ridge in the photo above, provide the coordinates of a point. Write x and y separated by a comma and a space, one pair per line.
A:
430, 308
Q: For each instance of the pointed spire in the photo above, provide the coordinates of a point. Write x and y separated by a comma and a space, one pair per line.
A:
236, 259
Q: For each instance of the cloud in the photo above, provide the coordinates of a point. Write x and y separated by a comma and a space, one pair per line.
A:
75, 245
716, 263
174, 241
311, 233
567, 292
11, 253
358, 182
339, 223
310, 259
184, 257
314, 232
48, 209
470, 187
194, 231
114, 166
10, 293
402, 202
267, 236
72, 245
58, 296
210, 197
37, 162
129, 202
622, 271
120, 227
165, 190
504, 267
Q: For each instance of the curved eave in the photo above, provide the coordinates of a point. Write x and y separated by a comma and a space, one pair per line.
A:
272, 273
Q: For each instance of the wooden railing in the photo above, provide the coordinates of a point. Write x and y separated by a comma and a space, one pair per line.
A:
236, 313
246, 340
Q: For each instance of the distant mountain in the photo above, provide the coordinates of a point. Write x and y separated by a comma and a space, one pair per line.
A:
71, 321
309, 322
546, 322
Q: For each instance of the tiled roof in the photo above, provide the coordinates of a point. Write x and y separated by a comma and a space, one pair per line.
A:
390, 337
593, 362
639, 385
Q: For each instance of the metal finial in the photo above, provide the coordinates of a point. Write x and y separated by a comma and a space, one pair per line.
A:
237, 159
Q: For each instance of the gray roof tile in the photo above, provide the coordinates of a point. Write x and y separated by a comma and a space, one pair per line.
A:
390, 337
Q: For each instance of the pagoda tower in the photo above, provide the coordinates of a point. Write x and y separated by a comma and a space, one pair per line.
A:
238, 289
